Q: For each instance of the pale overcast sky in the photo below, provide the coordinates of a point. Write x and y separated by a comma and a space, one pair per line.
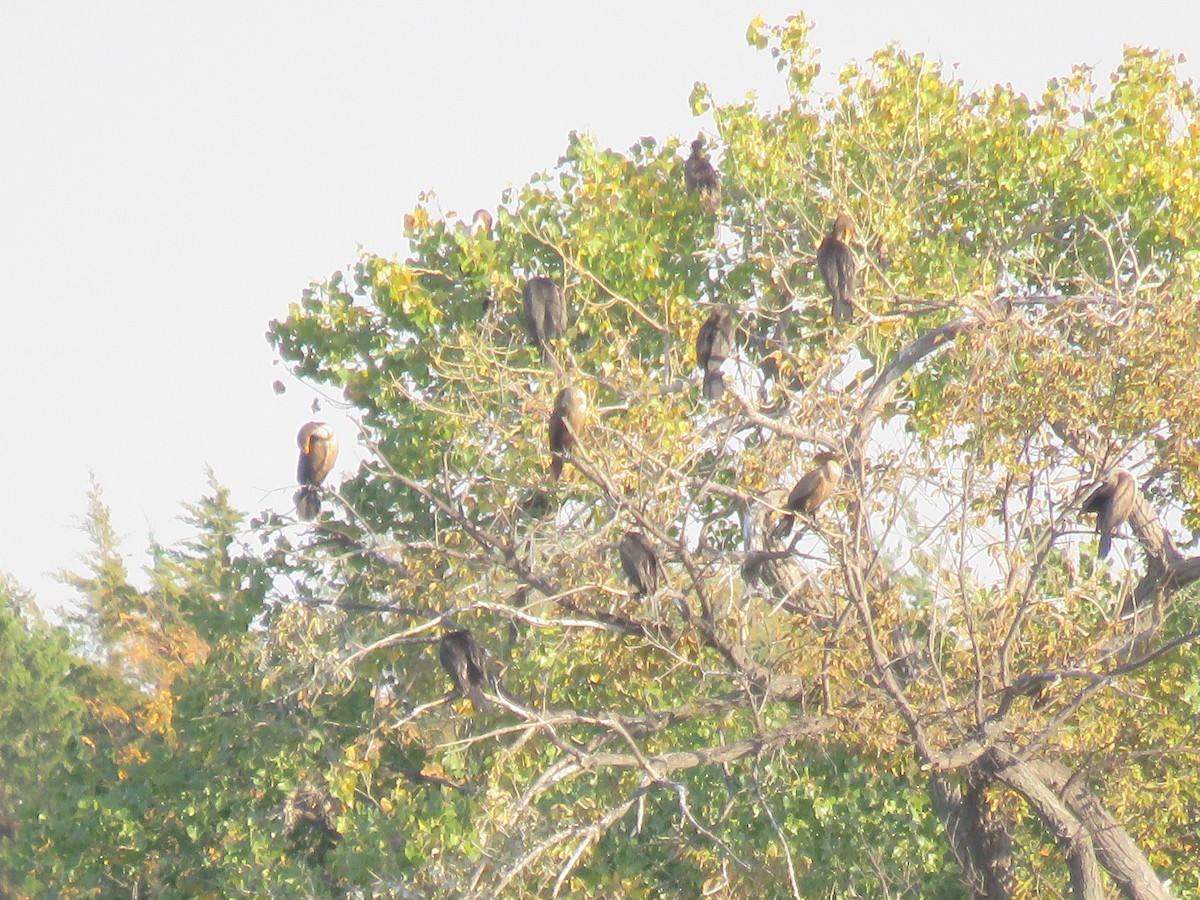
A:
172, 175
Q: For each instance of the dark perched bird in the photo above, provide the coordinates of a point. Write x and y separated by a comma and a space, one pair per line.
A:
466, 661
701, 178
545, 313
535, 504
836, 262
640, 563
713, 345
566, 426
754, 565
318, 453
811, 491
1112, 501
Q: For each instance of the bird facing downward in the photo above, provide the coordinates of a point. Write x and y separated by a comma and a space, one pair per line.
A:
835, 260
566, 426
1112, 500
811, 491
640, 563
701, 178
545, 313
318, 453
465, 660
713, 345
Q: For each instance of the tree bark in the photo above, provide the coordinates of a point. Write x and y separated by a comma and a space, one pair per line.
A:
1025, 778
1089, 833
979, 839
1115, 849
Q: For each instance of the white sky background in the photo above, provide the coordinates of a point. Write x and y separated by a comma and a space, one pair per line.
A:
172, 176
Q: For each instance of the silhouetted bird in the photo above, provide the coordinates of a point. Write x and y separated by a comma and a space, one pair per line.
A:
1112, 501
535, 504
713, 344
481, 223
466, 661
701, 178
318, 453
837, 265
566, 426
811, 491
640, 563
545, 313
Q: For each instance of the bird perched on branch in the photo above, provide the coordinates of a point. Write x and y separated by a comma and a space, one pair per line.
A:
811, 491
318, 453
566, 426
713, 344
701, 178
640, 563
836, 262
1112, 501
465, 659
545, 313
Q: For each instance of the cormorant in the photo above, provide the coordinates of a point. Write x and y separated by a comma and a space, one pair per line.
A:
836, 262
811, 491
545, 313
1112, 501
466, 661
700, 177
640, 563
318, 453
566, 426
713, 345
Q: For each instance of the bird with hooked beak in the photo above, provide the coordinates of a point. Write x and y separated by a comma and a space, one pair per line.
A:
811, 491
318, 453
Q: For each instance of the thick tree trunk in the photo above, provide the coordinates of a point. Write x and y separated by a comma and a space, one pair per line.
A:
1074, 837
1115, 849
1091, 837
978, 838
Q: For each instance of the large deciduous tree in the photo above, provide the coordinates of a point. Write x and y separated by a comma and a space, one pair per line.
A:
931, 686
936, 666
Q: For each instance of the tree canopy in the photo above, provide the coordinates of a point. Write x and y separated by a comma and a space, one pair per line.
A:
931, 687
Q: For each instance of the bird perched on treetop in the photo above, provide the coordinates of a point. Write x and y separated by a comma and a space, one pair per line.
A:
318, 453
481, 223
700, 177
836, 262
713, 345
466, 661
1112, 501
640, 563
545, 313
566, 426
811, 491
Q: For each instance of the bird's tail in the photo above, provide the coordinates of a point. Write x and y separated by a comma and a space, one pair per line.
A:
550, 358
556, 466
308, 502
784, 528
1105, 542
843, 310
714, 385
480, 702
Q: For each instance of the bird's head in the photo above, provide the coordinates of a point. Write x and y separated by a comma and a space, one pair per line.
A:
313, 431
571, 400
843, 227
481, 222
830, 462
